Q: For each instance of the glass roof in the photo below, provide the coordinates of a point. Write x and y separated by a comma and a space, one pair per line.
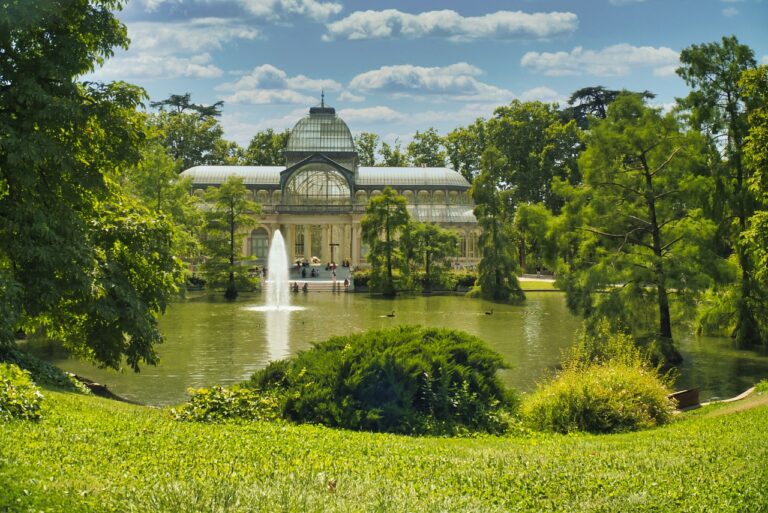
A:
321, 131
442, 213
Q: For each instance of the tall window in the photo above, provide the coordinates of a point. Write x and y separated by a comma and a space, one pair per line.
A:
317, 240
317, 185
260, 244
298, 248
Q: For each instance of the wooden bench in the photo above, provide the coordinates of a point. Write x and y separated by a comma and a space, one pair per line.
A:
686, 399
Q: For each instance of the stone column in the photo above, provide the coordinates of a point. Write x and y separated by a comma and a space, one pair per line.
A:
307, 241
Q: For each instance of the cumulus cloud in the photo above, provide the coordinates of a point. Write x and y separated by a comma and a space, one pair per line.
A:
377, 114
613, 60
269, 84
157, 66
542, 94
391, 23
281, 9
200, 34
457, 81
346, 96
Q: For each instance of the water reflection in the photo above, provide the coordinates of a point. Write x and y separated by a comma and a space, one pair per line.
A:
278, 333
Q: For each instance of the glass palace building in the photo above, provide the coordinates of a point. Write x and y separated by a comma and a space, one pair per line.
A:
319, 197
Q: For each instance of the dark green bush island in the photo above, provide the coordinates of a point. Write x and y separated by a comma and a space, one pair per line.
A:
408, 379
19, 396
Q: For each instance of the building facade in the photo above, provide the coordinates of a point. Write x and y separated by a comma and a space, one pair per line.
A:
318, 198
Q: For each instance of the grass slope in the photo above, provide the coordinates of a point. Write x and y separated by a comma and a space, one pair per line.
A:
91, 454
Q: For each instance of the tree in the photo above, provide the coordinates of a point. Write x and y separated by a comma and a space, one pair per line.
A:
496, 273
386, 220
644, 243
426, 149
538, 149
533, 226
191, 139
431, 247
393, 156
180, 103
266, 148
76, 256
593, 101
465, 145
229, 214
366, 144
716, 106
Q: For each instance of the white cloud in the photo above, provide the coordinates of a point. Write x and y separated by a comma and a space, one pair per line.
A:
613, 60
542, 94
197, 35
377, 114
346, 96
624, 2
240, 127
157, 66
730, 12
269, 84
449, 24
456, 81
284, 9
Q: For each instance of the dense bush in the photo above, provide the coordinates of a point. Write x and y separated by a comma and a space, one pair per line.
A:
464, 279
19, 396
762, 387
404, 380
43, 372
220, 403
607, 398
608, 385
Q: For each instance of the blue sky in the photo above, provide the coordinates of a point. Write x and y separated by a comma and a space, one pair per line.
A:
394, 67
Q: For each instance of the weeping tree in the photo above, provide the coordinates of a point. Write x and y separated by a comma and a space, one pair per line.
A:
229, 214
644, 241
497, 271
386, 220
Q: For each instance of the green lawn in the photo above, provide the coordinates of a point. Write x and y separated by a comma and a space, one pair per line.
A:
91, 454
537, 285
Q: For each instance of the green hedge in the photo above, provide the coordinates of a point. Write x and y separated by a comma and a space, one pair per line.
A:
19, 396
220, 403
408, 379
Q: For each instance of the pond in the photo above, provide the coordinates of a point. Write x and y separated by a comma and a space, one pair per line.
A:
210, 341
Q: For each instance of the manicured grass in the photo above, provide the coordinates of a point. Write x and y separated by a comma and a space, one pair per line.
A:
537, 285
92, 454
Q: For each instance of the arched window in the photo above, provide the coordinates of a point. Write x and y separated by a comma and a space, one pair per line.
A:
260, 244
361, 198
262, 197
317, 185
424, 197
438, 198
298, 248
408, 195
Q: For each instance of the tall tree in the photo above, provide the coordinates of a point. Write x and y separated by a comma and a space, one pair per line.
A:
431, 248
497, 271
593, 102
367, 145
385, 221
426, 149
717, 107
266, 148
229, 215
191, 139
181, 103
76, 256
393, 156
538, 148
643, 241
464, 146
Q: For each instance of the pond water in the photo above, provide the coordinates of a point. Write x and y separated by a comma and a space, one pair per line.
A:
210, 341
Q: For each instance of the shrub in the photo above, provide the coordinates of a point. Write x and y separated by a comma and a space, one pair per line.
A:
464, 279
762, 387
408, 379
608, 398
43, 372
19, 396
220, 403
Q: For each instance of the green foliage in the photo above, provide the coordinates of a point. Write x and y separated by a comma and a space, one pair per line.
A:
229, 214
609, 398
431, 248
403, 380
426, 149
497, 271
19, 397
464, 278
465, 146
393, 156
600, 346
266, 148
385, 222
220, 403
367, 145
132, 458
43, 372
762, 387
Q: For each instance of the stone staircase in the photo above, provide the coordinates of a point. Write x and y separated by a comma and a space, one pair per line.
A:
323, 282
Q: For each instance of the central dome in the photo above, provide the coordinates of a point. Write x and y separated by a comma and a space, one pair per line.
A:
321, 132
